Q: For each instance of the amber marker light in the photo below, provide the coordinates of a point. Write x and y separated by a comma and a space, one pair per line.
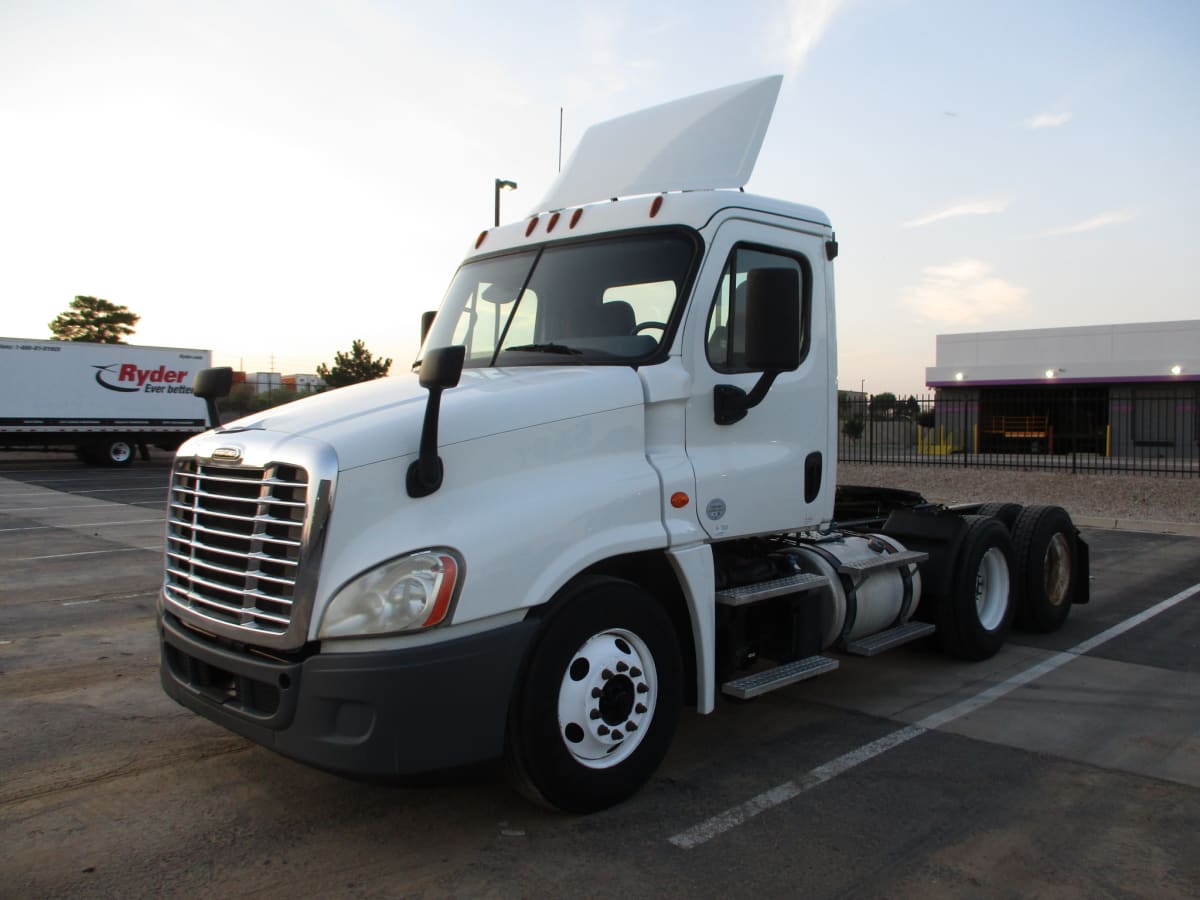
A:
532, 225
575, 217
479, 240
679, 499
445, 591
656, 206
553, 222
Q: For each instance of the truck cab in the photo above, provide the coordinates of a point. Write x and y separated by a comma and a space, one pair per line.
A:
606, 490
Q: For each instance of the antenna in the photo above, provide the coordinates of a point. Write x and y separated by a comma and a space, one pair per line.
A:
560, 124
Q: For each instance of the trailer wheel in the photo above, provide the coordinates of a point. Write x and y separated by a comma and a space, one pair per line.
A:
1044, 544
1005, 512
599, 699
113, 452
974, 618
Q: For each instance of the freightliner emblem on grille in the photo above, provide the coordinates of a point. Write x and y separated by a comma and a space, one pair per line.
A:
227, 453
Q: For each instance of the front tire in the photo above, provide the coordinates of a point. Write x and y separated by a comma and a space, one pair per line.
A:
599, 698
974, 618
118, 452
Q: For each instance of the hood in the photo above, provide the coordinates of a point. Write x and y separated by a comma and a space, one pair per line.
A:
382, 419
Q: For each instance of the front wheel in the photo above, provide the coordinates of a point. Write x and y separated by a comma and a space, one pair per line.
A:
599, 700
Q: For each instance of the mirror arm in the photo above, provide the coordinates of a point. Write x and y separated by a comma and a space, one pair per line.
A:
214, 414
441, 369
425, 473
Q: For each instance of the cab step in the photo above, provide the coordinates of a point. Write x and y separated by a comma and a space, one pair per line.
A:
882, 561
765, 590
779, 676
893, 637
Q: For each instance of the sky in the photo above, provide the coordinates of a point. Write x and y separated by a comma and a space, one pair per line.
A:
273, 180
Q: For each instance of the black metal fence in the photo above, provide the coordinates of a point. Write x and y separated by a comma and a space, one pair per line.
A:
1109, 428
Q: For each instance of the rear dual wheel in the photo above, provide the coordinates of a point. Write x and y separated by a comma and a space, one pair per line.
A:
1044, 539
599, 699
974, 617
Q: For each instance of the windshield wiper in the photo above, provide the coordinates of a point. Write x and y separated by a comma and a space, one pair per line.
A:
562, 349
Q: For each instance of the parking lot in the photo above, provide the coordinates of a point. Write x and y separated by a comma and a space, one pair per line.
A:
1068, 765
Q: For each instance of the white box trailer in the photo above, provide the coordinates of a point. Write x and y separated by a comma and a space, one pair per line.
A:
105, 400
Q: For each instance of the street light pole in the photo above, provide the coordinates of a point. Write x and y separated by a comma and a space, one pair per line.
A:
502, 185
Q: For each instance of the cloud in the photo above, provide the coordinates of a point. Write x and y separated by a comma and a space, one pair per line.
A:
806, 24
963, 293
1048, 120
972, 208
1103, 220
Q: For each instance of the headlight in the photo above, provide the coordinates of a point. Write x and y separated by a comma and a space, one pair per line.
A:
408, 593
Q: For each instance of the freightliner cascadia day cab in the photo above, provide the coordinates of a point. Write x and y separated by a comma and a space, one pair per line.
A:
607, 491
103, 400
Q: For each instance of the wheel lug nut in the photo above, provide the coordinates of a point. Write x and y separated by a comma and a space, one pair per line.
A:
631, 726
594, 714
596, 693
606, 674
603, 729
641, 688
640, 708
622, 666
635, 672
616, 736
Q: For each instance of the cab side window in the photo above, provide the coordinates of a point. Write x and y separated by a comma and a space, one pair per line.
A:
725, 334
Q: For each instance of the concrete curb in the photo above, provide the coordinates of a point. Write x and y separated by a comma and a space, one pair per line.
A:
1184, 529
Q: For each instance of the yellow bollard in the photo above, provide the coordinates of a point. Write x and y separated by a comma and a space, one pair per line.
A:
1107, 441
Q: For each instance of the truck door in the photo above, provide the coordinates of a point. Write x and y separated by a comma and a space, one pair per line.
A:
772, 470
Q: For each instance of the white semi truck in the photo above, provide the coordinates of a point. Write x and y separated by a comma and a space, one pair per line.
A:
103, 400
608, 490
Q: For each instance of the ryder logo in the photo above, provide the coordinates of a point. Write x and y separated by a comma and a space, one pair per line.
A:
129, 378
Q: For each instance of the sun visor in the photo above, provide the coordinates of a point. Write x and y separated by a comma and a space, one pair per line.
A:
702, 142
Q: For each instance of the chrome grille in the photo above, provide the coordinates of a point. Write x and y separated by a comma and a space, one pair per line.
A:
235, 542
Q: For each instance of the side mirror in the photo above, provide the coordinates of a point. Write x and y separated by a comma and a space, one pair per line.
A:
773, 320
772, 340
210, 385
440, 369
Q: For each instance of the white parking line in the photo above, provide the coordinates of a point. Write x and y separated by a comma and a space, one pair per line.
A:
85, 553
21, 510
731, 818
8, 495
81, 525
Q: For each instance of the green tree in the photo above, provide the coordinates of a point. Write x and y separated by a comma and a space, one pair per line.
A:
95, 320
270, 399
882, 404
353, 367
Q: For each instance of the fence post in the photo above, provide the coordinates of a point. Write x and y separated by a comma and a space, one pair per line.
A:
870, 420
1074, 426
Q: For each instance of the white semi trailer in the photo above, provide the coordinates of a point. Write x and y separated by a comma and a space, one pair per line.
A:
103, 400
608, 490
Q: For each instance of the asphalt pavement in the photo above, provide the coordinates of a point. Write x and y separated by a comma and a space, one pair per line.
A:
1067, 765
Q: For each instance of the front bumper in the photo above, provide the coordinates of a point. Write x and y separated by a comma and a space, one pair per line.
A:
374, 714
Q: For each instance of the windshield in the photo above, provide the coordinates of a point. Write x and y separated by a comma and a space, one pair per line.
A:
603, 301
